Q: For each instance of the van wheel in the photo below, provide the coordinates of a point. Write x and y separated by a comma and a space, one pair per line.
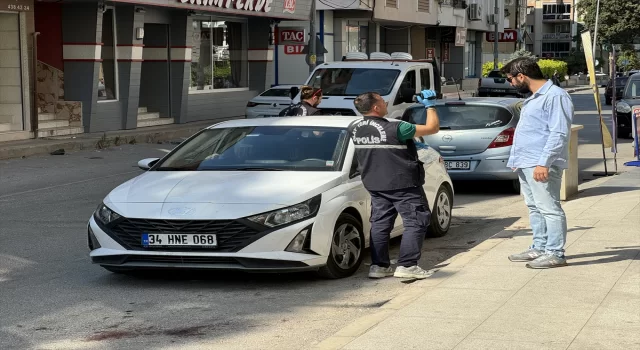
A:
441, 214
347, 248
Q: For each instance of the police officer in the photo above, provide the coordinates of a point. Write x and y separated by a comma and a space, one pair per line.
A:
393, 174
311, 98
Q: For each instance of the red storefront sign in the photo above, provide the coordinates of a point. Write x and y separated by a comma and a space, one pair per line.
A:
292, 36
289, 6
509, 36
445, 52
294, 49
431, 53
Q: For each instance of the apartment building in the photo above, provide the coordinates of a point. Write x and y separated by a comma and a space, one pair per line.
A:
449, 31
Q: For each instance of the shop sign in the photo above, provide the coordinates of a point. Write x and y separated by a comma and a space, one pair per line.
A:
16, 5
294, 49
245, 5
445, 52
292, 35
431, 53
289, 6
461, 36
509, 36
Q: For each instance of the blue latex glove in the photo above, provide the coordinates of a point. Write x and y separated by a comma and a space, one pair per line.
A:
425, 101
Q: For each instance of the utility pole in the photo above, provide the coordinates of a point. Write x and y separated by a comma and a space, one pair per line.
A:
312, 37
496, 34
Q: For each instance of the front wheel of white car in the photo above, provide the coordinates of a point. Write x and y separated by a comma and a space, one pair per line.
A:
347, 248
441, 214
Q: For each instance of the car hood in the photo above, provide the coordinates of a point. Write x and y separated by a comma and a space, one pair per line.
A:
279, 188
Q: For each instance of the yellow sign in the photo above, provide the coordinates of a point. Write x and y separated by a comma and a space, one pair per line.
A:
607, 141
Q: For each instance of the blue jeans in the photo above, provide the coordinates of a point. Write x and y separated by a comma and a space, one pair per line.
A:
548, 220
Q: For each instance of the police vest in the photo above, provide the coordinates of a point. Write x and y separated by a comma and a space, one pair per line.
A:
385, 163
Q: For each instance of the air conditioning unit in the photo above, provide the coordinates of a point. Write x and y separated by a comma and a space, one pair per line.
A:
475, 12
508, 2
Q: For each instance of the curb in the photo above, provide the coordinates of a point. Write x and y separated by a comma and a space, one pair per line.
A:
415, 290
35, 147
577, 89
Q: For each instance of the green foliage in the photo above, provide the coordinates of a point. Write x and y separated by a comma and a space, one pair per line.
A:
631, 56
548, 67
487, 67
521, 53
619, 21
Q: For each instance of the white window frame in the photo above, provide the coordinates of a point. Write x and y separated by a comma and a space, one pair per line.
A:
245, 47
116, 78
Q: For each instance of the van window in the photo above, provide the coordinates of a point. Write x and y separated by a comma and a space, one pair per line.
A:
408, 86
425, 79
354, 81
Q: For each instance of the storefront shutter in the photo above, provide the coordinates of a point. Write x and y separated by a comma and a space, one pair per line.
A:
392, 3
423, 5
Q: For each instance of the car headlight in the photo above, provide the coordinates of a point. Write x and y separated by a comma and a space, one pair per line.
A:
105, 215
623, 107
283, 216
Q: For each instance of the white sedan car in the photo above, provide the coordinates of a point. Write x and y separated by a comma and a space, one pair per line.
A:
270, 102
275, 194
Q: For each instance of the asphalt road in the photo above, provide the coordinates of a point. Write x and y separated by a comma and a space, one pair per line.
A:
52, 297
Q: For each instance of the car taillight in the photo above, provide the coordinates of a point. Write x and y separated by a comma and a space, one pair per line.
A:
504, 139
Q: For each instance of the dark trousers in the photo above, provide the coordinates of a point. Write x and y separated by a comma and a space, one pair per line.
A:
413, 207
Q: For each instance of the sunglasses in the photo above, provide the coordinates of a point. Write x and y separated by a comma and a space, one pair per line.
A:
512, 77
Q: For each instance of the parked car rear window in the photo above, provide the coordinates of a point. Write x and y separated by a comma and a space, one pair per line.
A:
633, 89
495, 74
622, 81
276, 93
463, 117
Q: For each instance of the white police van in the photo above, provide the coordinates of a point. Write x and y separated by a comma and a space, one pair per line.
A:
397, 77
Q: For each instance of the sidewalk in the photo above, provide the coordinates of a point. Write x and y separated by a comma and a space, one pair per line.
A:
481, 300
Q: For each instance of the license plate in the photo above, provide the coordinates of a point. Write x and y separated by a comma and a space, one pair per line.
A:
457, 165
498, 90
179, 240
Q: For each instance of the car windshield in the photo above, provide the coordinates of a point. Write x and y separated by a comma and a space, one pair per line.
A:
260, 148
354, 81
633, 89
463, 117
276, 93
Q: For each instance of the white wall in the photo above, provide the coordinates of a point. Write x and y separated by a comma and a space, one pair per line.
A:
407, 11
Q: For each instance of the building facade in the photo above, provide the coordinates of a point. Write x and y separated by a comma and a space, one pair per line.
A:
449, 31
113, 65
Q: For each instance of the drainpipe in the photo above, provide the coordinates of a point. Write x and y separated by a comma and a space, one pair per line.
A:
34, 80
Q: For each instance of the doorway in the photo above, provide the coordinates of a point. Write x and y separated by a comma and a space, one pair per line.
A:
155, 75
11, 107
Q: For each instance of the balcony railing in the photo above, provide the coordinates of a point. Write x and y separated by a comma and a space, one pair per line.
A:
556, 36
556, 54
556, 17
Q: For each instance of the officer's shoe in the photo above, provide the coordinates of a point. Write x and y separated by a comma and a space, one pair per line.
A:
415, 272
376, 271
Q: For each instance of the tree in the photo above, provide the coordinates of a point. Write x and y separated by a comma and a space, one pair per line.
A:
576, 62
521, 53
632, 59
619, 21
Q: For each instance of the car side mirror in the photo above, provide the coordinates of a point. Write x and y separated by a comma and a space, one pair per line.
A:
147, 163
293, 92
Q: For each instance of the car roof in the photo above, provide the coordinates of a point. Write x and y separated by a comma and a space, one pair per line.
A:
319, 121
374, 64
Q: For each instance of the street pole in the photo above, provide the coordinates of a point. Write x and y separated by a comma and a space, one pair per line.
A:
312, 37
595, 34
495, 33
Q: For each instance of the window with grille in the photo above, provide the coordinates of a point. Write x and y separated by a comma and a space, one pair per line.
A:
392, 3
423, 5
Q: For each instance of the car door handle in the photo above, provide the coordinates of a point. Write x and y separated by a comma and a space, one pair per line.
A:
447, 148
